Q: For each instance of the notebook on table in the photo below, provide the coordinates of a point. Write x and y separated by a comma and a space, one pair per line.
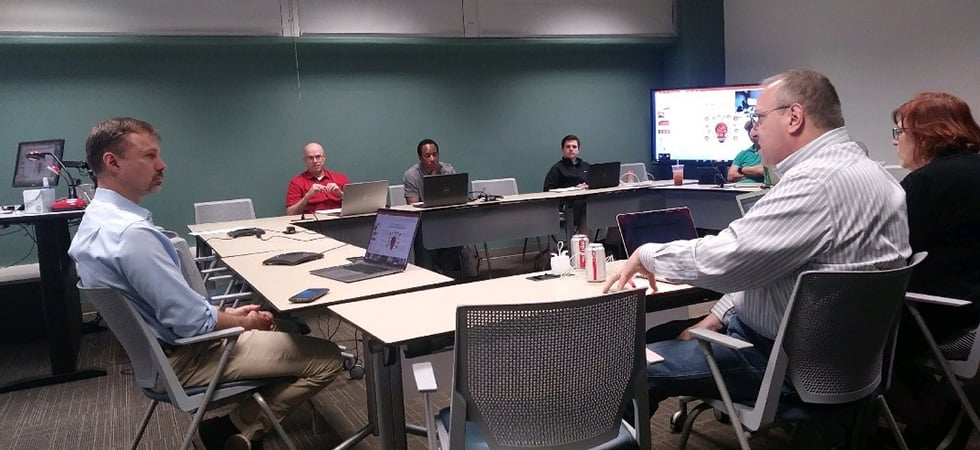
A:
445, 190
602, 175
387, 251
658, 226
361, 198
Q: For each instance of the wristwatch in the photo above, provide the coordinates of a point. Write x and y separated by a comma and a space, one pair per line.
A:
740, 171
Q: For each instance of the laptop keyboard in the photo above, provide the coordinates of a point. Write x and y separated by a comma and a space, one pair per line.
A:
366, 268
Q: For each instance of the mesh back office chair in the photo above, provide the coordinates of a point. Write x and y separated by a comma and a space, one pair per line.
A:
396, 195
957, 359
834, 343
152, 368
633, 173
223, 210
512, 387
500, 187
197, 279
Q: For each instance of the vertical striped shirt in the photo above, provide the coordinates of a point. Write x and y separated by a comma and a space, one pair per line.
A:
833, 209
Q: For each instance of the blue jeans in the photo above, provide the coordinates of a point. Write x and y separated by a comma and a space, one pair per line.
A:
685, 371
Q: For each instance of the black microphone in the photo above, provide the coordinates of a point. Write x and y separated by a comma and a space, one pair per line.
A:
721, 177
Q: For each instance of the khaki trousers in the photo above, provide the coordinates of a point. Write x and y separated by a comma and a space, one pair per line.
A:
263, 354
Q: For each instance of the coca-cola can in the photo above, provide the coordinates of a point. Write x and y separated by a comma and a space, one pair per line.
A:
579, 244
595, 263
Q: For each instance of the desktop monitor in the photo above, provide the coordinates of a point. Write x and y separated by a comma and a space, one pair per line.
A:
701, 124
30, 173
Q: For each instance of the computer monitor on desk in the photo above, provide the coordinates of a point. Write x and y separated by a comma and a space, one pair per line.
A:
30, 173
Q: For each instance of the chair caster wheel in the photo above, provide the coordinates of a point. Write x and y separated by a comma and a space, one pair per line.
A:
348, 363
356, 372
677, 420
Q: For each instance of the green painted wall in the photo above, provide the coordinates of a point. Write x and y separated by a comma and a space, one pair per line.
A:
234, 118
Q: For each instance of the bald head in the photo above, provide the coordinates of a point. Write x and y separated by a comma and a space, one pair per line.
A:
314, 157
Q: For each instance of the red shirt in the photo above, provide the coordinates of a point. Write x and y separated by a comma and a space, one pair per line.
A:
302, 183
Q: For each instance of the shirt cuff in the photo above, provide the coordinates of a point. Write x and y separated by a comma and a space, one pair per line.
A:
723, 307
648, 256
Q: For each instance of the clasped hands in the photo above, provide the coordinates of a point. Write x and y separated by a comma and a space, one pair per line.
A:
330, 188
255, 319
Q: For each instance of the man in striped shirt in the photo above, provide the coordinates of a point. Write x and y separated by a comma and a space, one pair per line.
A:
833, 209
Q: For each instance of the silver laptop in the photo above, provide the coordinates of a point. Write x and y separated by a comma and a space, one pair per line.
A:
361, 198
387, 252
746, 201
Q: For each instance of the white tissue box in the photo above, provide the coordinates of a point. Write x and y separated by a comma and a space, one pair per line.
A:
37, 201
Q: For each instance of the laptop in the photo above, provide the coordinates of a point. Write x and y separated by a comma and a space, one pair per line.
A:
387, 251
658, 226
746, 201
602, 175
361, 198
445, 190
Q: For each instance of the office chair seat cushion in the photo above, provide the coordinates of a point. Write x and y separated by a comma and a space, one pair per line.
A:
195, 390
475, 440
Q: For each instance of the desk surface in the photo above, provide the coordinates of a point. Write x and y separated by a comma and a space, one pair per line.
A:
405, 317
20, 217
272, 240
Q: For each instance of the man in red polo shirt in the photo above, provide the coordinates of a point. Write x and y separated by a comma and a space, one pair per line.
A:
317, 188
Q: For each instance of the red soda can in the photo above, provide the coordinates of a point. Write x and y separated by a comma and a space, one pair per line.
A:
595, 263
579, 244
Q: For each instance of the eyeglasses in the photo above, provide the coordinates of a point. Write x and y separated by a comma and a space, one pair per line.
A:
896, 132
757, 117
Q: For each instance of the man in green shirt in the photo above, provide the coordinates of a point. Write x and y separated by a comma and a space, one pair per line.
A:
747, 166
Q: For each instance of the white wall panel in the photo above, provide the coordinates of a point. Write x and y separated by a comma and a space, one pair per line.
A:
510, 18
382, 17
141, 17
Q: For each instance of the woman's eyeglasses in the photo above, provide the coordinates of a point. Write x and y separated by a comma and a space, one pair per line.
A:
896, 132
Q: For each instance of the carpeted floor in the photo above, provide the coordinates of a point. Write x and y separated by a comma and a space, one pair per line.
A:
103, 413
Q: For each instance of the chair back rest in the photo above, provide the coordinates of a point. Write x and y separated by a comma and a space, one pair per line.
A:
144, 351
837, 329
497, 186
633, 173
188, 267
550, 375
224, 210
396, 195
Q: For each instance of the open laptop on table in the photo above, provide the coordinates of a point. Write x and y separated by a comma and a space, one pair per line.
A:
602, 175
361, 198
658, 226
746, 201
445, 190
387, 252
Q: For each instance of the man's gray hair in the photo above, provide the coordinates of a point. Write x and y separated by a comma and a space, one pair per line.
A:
812, 90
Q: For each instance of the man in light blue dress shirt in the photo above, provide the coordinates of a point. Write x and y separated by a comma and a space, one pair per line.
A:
118, 246
833, 209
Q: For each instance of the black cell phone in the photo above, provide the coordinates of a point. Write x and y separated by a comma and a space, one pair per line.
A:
308, 295
543, 276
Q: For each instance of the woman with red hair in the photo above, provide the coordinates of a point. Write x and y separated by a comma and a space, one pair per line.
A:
937, 139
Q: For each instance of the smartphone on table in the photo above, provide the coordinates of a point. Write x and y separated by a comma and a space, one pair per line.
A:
308, 295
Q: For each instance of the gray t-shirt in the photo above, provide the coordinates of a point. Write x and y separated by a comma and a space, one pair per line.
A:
413, 178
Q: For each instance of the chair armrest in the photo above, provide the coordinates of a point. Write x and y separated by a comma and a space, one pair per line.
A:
214, 270
212, 336
236, 296
425, 377
934, 299
705, 334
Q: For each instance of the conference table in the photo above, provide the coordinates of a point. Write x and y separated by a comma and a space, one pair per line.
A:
388, 323
535, 214
59, 298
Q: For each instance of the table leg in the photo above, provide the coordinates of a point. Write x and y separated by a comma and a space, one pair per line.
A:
386, 404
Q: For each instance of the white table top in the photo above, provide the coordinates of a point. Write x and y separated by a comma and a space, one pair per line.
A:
278, 283
403, 317
274, 239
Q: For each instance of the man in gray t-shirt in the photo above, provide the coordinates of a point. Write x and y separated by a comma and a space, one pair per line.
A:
428, 164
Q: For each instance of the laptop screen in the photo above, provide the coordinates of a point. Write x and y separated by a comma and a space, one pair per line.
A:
657, 226
746, 201
391, 238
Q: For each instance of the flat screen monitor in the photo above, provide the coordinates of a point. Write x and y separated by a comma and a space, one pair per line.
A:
702, 124
30, 173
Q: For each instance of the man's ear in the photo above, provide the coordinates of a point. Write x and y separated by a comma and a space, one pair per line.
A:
109, 160
797, 118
